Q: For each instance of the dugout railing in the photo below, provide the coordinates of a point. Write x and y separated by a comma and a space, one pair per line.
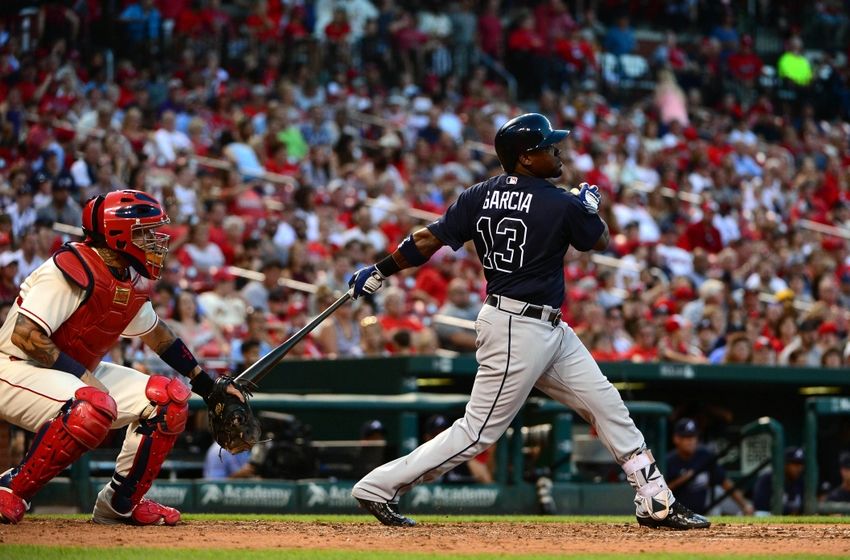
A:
818, 408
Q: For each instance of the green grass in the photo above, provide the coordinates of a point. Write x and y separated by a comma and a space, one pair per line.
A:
437, 519
40, 552
16, 552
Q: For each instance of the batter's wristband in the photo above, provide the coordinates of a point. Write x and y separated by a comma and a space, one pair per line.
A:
411, 252
179, 357
202, 384
69, 365
387, 266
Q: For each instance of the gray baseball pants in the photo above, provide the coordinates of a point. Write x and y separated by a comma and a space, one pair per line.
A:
515, 353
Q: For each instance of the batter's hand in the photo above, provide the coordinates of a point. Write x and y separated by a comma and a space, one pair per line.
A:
367, 280
89, 379
590, 197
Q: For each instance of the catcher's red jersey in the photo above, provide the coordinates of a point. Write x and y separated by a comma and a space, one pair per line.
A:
109, 306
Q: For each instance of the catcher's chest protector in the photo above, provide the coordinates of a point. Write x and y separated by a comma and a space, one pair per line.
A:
108, 308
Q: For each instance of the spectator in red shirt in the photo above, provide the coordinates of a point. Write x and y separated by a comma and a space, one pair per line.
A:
577, 53
645, 348
745, 65
395, 316
490, 32
261, 24
524, 57
703, 234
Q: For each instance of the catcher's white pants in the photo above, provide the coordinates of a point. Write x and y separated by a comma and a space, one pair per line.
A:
30, 395
515, 354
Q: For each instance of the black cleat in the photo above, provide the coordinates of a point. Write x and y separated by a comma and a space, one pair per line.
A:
386, 513
679, 518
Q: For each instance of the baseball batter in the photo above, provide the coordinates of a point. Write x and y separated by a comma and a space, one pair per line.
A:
71, 310
521, 225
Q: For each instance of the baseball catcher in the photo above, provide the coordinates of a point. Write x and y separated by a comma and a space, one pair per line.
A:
70, 312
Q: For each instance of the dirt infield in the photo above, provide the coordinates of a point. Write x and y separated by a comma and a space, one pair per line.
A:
457, 538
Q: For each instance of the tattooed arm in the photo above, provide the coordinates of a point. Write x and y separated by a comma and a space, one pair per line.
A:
37, 345
33, 341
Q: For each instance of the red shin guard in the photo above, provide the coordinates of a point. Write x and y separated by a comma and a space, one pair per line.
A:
81, 425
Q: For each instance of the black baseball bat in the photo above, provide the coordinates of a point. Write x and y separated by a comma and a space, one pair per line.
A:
261, 367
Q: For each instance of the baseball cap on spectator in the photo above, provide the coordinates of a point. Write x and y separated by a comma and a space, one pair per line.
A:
64, 182
684, 293
784, 295
844, 460
222, 275
372, 427
828, 327
663, 307
674, 323
795, 455
38, 178
296, 308
7, 258
705, 323
809, 325
753, 284
830, 243
436, 424
763, 342
686, 427
25, 189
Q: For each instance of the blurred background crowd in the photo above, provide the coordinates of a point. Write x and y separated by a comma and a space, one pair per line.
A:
295, 141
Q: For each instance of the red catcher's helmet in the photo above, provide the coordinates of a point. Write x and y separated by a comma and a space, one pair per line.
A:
125, 221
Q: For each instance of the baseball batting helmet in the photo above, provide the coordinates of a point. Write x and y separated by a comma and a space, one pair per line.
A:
524, 134
125, 221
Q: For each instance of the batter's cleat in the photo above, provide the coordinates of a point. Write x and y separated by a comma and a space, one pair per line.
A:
146, 512
679, 518
386, 513
12, 507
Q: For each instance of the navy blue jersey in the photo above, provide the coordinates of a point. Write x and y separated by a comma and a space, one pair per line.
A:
522, 227
694, 494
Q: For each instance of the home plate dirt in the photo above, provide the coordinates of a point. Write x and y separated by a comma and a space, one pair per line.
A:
458, 538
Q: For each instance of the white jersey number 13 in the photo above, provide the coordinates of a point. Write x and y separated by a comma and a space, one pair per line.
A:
503, 247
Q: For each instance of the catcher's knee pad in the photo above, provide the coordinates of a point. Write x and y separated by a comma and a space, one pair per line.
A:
159, 432
652, 496
170, 396
81, 425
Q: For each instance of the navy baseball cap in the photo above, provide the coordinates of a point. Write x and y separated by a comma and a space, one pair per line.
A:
63, 182
686, 427
795, 455
844, 460
436, 424
372, 427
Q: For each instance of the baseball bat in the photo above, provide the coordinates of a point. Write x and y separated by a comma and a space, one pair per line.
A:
264, 365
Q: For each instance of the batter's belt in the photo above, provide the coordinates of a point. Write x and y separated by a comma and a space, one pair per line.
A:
516, 307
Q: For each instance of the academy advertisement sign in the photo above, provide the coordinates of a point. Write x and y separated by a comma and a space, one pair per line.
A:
174, 495
329, 497
247, 496
461, 497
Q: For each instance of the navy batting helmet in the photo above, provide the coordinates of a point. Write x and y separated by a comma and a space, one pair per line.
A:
524, 134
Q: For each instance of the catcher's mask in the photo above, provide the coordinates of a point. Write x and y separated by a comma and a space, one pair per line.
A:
126, 221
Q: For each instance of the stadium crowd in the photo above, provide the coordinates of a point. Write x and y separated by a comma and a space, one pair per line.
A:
305, 139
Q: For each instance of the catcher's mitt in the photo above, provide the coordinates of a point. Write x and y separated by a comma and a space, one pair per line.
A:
232, 423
